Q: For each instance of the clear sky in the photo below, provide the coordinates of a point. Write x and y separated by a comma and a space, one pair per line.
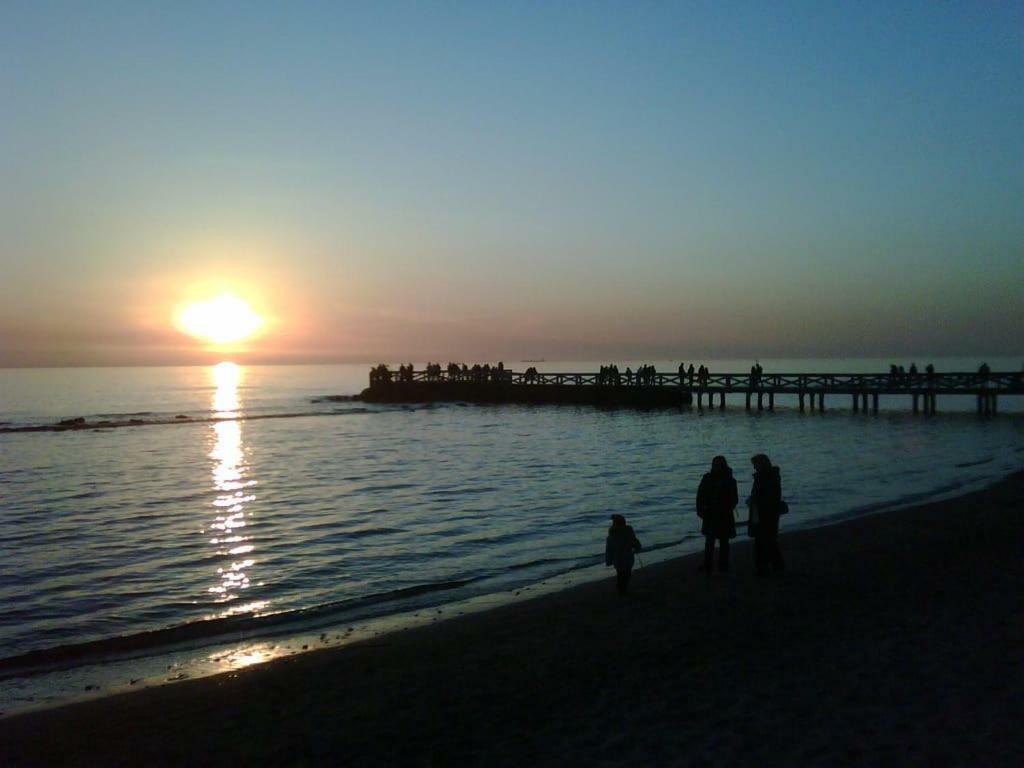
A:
512, 180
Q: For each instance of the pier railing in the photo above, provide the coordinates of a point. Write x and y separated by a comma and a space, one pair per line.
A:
922, 387
791, 383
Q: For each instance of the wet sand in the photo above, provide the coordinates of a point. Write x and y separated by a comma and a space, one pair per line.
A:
893, 639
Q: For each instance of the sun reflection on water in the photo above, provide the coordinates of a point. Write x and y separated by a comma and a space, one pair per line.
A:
233, 489
245, 656
226, 378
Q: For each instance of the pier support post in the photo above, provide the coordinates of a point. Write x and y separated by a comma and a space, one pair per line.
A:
771, 401
721, 403
914, 399
874, 402
800, 395
864, 402
981, 404
935, 406
995, 406
856, 402
821, 402
760, 401
700, 400
748, 399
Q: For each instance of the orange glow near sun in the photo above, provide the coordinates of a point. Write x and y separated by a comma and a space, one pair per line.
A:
223, 319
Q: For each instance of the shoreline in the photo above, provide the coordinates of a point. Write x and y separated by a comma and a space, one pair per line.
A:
927, 592
121, 664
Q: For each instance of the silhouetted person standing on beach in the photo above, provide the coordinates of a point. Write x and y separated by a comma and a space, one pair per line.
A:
619, 548
716, 500
765, 506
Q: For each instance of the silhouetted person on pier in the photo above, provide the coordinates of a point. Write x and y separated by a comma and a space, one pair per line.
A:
913, 370
629, 376
619, 549
716, 500
765, 507
690, 372
984, 371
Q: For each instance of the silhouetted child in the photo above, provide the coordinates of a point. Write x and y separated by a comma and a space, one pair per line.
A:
618, 551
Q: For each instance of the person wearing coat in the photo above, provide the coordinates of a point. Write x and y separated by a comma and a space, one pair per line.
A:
716, 500
765, 507
618, 551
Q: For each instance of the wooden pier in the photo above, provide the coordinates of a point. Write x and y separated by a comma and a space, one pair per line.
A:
674, 389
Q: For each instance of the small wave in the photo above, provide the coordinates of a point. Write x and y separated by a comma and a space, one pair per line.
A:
387, 487
665, 545
85, 495
978, 463
125, 414
900, 501
358, 533
75, 654
536, 563
81, 423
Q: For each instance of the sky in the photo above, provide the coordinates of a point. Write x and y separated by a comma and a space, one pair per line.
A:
484, 181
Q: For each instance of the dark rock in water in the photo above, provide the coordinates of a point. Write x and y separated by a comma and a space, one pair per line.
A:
136, 421
72, 422
92, 687
181, 416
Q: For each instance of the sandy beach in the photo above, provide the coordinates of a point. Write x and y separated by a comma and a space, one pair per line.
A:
892, 639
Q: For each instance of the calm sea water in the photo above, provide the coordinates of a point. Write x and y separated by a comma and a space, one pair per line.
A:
343, 511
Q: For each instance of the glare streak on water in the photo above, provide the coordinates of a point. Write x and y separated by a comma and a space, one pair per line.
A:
117, 532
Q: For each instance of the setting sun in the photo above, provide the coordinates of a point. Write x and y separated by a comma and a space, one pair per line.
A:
223, 319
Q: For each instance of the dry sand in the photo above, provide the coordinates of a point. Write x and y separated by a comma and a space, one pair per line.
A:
893, 639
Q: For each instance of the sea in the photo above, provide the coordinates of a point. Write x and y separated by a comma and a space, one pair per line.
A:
211, 518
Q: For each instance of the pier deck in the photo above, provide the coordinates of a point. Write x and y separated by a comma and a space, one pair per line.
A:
674, 389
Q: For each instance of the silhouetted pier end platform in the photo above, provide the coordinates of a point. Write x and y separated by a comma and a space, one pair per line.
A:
662, 390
